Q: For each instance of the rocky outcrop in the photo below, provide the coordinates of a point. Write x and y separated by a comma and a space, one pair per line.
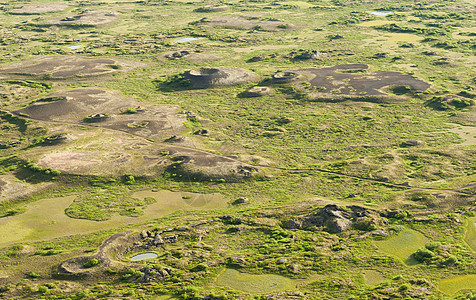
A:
336, 219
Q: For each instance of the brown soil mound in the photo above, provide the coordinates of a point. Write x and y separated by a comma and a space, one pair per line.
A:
196, 165
39, 8
366, 83
211, 8
60, 67
286, 76
258, 91
87, 18
351, 80
11, 188
251, 22
73, 106
122, 142
191, 55
223, 76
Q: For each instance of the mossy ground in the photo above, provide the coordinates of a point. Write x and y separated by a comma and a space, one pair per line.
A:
332, 151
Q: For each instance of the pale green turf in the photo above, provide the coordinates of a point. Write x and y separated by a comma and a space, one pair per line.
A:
403, 245
451, 286
470, 236
372, 277
45, 219
266, 283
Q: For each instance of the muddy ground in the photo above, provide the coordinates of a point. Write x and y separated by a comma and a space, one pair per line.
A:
13, 188
251, 22
121, 113
355, 80
85, 19
38, 8
60, 67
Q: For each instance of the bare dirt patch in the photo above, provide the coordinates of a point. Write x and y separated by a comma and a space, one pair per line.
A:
191, 55
353, 80
11, 188
110, 155
39, 8
124, 114
212, 8
94, 150
60, 67
85, 19
223, 76
196, 165
467, 133
251, 22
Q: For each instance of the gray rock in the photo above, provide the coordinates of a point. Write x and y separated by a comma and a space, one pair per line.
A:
413, 143
282, 261
338, 225
380, 232
241, 201
257, 58
292, 224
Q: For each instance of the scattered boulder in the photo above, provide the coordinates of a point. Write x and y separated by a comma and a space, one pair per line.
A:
286, 120
412, 143
380, 232
238, 259
241, 201
338, 225
202, 131
311, 54
336, 219
175, 139
229, 220
257, 58
99, 117
336, 37
442, 61
55, 139
380, 55
177, 54
282, 261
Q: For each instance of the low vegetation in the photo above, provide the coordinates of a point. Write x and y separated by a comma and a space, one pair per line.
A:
260, 149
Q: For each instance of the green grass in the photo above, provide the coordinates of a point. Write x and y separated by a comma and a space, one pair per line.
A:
403, 245
254, 284
453, 285
470, 236
329, 151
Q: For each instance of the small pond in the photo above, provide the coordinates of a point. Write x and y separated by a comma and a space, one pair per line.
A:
142, 256
470, 236
380, 13
403, 245
185, 39
453, 285
250, 283
74, 47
